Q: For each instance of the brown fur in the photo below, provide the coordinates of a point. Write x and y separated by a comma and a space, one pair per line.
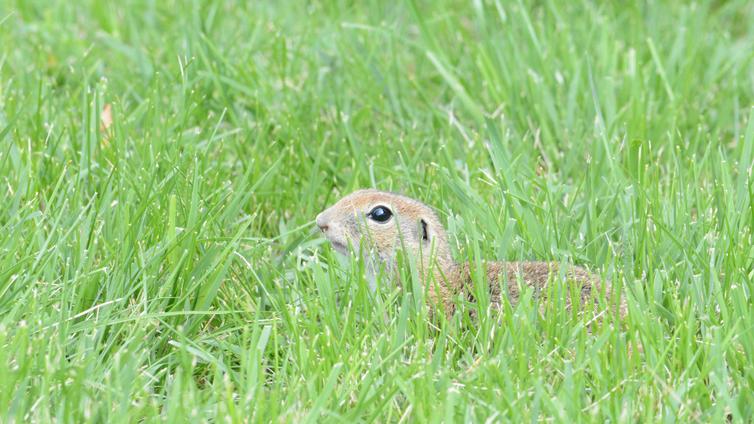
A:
346, 223
507, 278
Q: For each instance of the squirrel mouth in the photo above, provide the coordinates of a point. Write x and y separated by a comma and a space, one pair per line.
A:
339, 247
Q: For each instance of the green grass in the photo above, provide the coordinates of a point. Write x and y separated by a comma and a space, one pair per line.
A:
168, 268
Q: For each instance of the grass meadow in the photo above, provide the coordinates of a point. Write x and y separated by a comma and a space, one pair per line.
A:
162, 162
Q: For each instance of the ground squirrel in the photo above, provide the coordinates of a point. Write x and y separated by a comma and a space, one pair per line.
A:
379, 224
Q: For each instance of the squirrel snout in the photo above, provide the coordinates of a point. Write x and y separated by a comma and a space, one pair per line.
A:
322, 223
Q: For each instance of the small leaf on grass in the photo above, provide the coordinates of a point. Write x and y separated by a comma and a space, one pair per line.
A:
106, 121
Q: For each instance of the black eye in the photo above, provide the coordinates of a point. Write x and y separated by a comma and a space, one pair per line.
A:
380, 214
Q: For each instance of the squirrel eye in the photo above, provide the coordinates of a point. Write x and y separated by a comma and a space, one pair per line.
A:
380, 214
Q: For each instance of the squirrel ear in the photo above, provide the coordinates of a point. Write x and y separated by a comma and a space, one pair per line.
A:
425, 233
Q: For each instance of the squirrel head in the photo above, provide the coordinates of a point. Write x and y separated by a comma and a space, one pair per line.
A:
380, 224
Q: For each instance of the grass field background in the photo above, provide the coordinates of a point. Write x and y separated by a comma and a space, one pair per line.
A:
164, 265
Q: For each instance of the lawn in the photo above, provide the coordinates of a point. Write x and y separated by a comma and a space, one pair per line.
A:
162, 162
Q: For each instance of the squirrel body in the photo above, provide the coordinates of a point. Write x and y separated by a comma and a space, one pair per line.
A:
378, 225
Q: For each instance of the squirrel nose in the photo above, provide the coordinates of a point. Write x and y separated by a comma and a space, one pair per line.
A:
322, 223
